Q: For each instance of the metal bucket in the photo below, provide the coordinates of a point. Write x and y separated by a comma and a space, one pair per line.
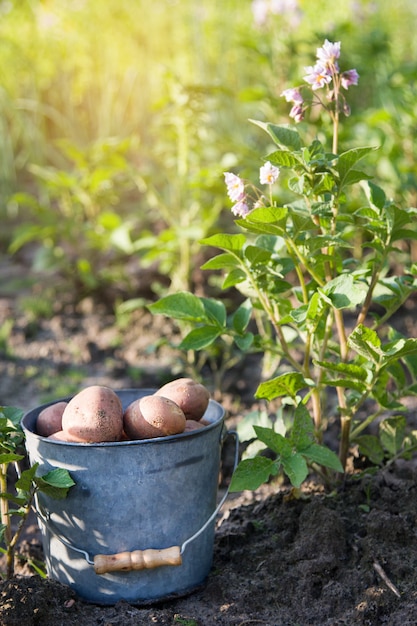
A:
131, 498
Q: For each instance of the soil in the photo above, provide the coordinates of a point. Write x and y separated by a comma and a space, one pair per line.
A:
281, 558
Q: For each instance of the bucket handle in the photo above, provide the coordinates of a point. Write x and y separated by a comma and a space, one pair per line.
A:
137, 560
149, 558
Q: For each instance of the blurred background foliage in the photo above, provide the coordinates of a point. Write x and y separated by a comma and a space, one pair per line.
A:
118, 120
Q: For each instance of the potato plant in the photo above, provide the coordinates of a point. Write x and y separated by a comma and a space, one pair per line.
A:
16, 499
324, 264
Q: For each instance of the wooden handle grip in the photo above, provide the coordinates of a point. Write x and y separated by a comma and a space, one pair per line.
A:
139, 559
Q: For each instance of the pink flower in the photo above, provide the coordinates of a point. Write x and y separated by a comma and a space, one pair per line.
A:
278, 7
348, 78
235, 187
240, 209
317, 76
260, 10
328, 54
263, 9
292, 95
268, 174
297, 113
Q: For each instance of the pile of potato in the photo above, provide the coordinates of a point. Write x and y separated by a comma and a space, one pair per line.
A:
96, 414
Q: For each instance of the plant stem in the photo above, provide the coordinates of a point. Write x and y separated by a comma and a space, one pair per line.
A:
296, 254
358, 429
5, 519
317, 412
368, 299
335, 128
4, 504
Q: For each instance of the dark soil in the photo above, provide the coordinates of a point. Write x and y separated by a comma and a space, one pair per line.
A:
280, 558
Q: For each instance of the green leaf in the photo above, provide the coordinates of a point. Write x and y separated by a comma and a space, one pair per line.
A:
347, 160
348, 369
370, 446
245, 426
180, 306
264, 228
221, 261
376, 195
397, 219
200, 338
283, 385
322, 209
215, 310
18, 500
297, 184
231, 243
55, 483
234, 278
346, 383
283, 158
10, 457
252, 473
281, 286
343, 292
314, 308
273, 440
355, 176
268, 215
12, 415
400, 348
323, 456
282, 135
366, 343
397, 372
296, 468
244, 342
241, 317
26, 478
370, 215
302, 432
324, 182
403, 233
256, 255
392, 433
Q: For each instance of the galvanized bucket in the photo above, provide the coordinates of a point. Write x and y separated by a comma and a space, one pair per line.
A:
139, 523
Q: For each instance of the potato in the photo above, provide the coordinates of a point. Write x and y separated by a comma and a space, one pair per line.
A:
193, 425
191, 397
61, 435
153, 416
49, 420
95, 414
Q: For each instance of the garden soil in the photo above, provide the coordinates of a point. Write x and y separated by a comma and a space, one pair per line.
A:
281, 558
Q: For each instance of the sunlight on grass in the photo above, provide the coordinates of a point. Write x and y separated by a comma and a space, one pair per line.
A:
175, 81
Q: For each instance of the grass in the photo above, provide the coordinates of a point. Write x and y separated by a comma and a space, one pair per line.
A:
178, 81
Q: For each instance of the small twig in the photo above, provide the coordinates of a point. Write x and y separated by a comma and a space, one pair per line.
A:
385, 578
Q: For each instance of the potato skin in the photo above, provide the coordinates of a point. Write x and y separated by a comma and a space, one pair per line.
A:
61, 435
49, 420
153, 416
95, 414
191, 397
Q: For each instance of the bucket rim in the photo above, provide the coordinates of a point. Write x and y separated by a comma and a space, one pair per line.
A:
151, 440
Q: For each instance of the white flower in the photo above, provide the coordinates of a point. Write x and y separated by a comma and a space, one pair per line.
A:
240, 209
235, 187
268, 174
